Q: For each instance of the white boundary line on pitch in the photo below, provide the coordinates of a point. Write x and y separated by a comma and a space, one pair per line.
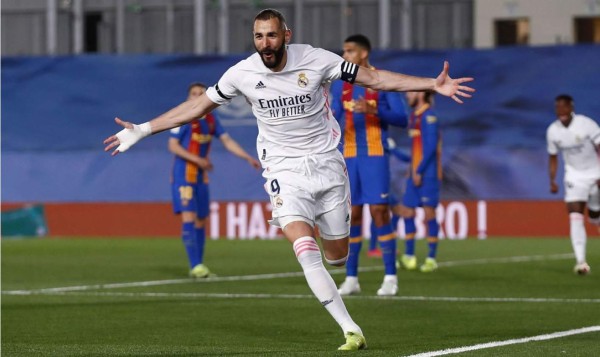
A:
305, 296
481, 346
517, 259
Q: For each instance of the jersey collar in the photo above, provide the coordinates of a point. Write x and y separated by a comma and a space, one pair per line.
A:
422, 109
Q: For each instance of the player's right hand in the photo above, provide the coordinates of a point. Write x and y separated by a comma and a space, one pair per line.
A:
553, 187
204, 164
127, 137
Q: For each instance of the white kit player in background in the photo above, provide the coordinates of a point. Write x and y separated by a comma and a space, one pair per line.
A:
578, 138
297, 143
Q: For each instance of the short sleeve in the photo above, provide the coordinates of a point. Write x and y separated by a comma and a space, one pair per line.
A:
225, 89
336, 67
178, 132
219, 130
551, 143
594, 131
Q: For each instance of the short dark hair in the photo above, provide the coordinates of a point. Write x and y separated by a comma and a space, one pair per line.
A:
360, 40
428, 97
268, 14
196, 84
564, 97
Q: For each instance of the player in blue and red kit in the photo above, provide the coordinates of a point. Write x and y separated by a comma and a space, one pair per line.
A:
423, 186
364, 116
189, 181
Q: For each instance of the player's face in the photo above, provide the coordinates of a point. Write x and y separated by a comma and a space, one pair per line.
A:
354, 53
563, 110
412, 98
195, 92
269, 41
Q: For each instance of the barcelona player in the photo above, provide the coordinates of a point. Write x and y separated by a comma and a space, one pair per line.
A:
364, 115
189, 182
423, 185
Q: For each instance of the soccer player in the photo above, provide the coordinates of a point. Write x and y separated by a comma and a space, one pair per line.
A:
364, 115
305, 173
423, 185
578, 138
190, 144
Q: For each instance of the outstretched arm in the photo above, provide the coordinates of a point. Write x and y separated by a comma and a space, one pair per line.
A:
181, 114
391, 81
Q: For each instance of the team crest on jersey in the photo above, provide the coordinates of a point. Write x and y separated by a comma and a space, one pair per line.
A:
413, 133
302, 80
278, 202
431, 119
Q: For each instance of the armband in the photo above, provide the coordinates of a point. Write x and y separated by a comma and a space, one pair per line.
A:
349, 72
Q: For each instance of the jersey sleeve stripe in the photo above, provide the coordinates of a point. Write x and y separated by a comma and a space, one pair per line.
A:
221, 93
349, 72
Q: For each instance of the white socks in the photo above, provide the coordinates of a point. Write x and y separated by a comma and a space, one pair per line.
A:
578, 236
320, 282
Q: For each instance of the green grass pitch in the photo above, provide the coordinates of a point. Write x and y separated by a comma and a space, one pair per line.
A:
132, 297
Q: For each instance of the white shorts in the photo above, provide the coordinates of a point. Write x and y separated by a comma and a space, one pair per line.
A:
313, 189
583, 190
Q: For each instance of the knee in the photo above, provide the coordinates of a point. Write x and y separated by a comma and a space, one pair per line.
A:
380, 214
407, 212
338, 257
337, 262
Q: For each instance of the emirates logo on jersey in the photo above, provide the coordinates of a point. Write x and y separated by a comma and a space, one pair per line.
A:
302, 80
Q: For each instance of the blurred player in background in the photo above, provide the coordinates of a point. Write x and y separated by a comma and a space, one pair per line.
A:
578, 138
189, 181
395, 200
364, 116
423, 185
297, 143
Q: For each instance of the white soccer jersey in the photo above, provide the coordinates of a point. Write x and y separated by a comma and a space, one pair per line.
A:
577, 142
291, 106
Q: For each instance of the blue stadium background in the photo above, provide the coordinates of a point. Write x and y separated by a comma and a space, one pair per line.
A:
56, 111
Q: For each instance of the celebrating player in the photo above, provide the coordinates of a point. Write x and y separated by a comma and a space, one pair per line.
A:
364, 115
578, 138
305, 173
190, 144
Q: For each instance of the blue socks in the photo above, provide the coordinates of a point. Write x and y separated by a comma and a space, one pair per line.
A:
433, 229
200, 239
373, 240
411, 230
354, 250
188, 236
387, 241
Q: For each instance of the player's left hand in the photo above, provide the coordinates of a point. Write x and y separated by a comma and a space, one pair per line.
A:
452, 87
254, 163
417, 179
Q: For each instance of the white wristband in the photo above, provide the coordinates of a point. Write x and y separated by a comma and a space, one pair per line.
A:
128, 137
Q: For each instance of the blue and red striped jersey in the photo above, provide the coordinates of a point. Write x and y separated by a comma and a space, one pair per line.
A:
195, 137
366, 134
426, 154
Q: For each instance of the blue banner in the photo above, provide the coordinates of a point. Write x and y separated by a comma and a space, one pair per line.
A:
56, 111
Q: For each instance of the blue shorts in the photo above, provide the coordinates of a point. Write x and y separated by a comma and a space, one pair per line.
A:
369, 179
190, 197
428, 194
